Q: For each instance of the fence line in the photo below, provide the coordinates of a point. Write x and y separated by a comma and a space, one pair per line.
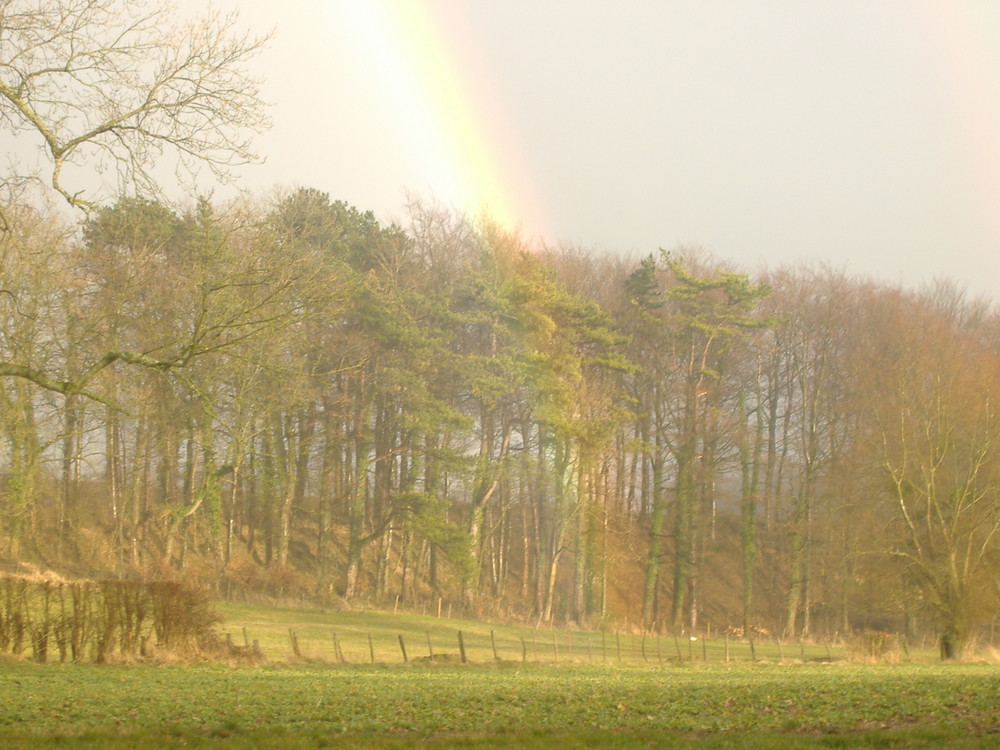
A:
464, 646
100, 620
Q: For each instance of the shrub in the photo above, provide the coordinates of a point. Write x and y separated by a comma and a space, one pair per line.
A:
874, 646
104, 619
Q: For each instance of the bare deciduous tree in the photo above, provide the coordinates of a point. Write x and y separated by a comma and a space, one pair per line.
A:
113, 85
937, 434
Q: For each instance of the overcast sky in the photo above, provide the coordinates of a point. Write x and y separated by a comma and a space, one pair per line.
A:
860, 133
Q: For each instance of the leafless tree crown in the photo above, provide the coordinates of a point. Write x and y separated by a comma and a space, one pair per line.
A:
114, 85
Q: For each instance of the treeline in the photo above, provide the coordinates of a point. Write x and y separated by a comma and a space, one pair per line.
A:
295, 399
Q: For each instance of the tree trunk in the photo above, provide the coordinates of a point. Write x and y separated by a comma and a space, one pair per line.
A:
654, 559
749, 486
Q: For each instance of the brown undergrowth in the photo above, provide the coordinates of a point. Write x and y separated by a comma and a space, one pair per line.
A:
45, 617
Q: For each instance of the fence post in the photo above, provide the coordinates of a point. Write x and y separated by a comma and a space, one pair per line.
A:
461, 647
493, 642
402, 647
430, 648
371, 648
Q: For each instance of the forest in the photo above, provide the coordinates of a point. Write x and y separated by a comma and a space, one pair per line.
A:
286, 398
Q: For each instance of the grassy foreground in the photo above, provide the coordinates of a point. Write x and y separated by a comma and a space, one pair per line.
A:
479, 706
583, 701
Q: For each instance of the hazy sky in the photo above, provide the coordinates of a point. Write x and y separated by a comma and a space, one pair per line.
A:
860, 133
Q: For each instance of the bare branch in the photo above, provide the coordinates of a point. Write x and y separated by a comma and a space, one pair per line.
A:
102, 83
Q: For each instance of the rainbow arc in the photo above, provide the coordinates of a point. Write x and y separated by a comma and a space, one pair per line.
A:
449, 110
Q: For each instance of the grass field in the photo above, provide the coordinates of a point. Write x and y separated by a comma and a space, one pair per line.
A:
304, 702
360, 634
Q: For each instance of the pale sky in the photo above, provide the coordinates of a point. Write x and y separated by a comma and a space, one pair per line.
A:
860, 133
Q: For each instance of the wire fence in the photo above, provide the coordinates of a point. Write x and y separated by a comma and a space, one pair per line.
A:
535, 646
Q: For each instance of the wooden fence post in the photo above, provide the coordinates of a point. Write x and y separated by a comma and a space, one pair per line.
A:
461, 647
402, 647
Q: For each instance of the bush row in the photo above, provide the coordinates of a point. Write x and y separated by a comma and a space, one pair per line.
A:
100, 620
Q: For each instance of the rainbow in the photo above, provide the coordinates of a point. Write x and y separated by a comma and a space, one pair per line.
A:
444, 100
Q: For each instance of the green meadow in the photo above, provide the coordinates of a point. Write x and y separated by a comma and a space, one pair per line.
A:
358, 637
578, 700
